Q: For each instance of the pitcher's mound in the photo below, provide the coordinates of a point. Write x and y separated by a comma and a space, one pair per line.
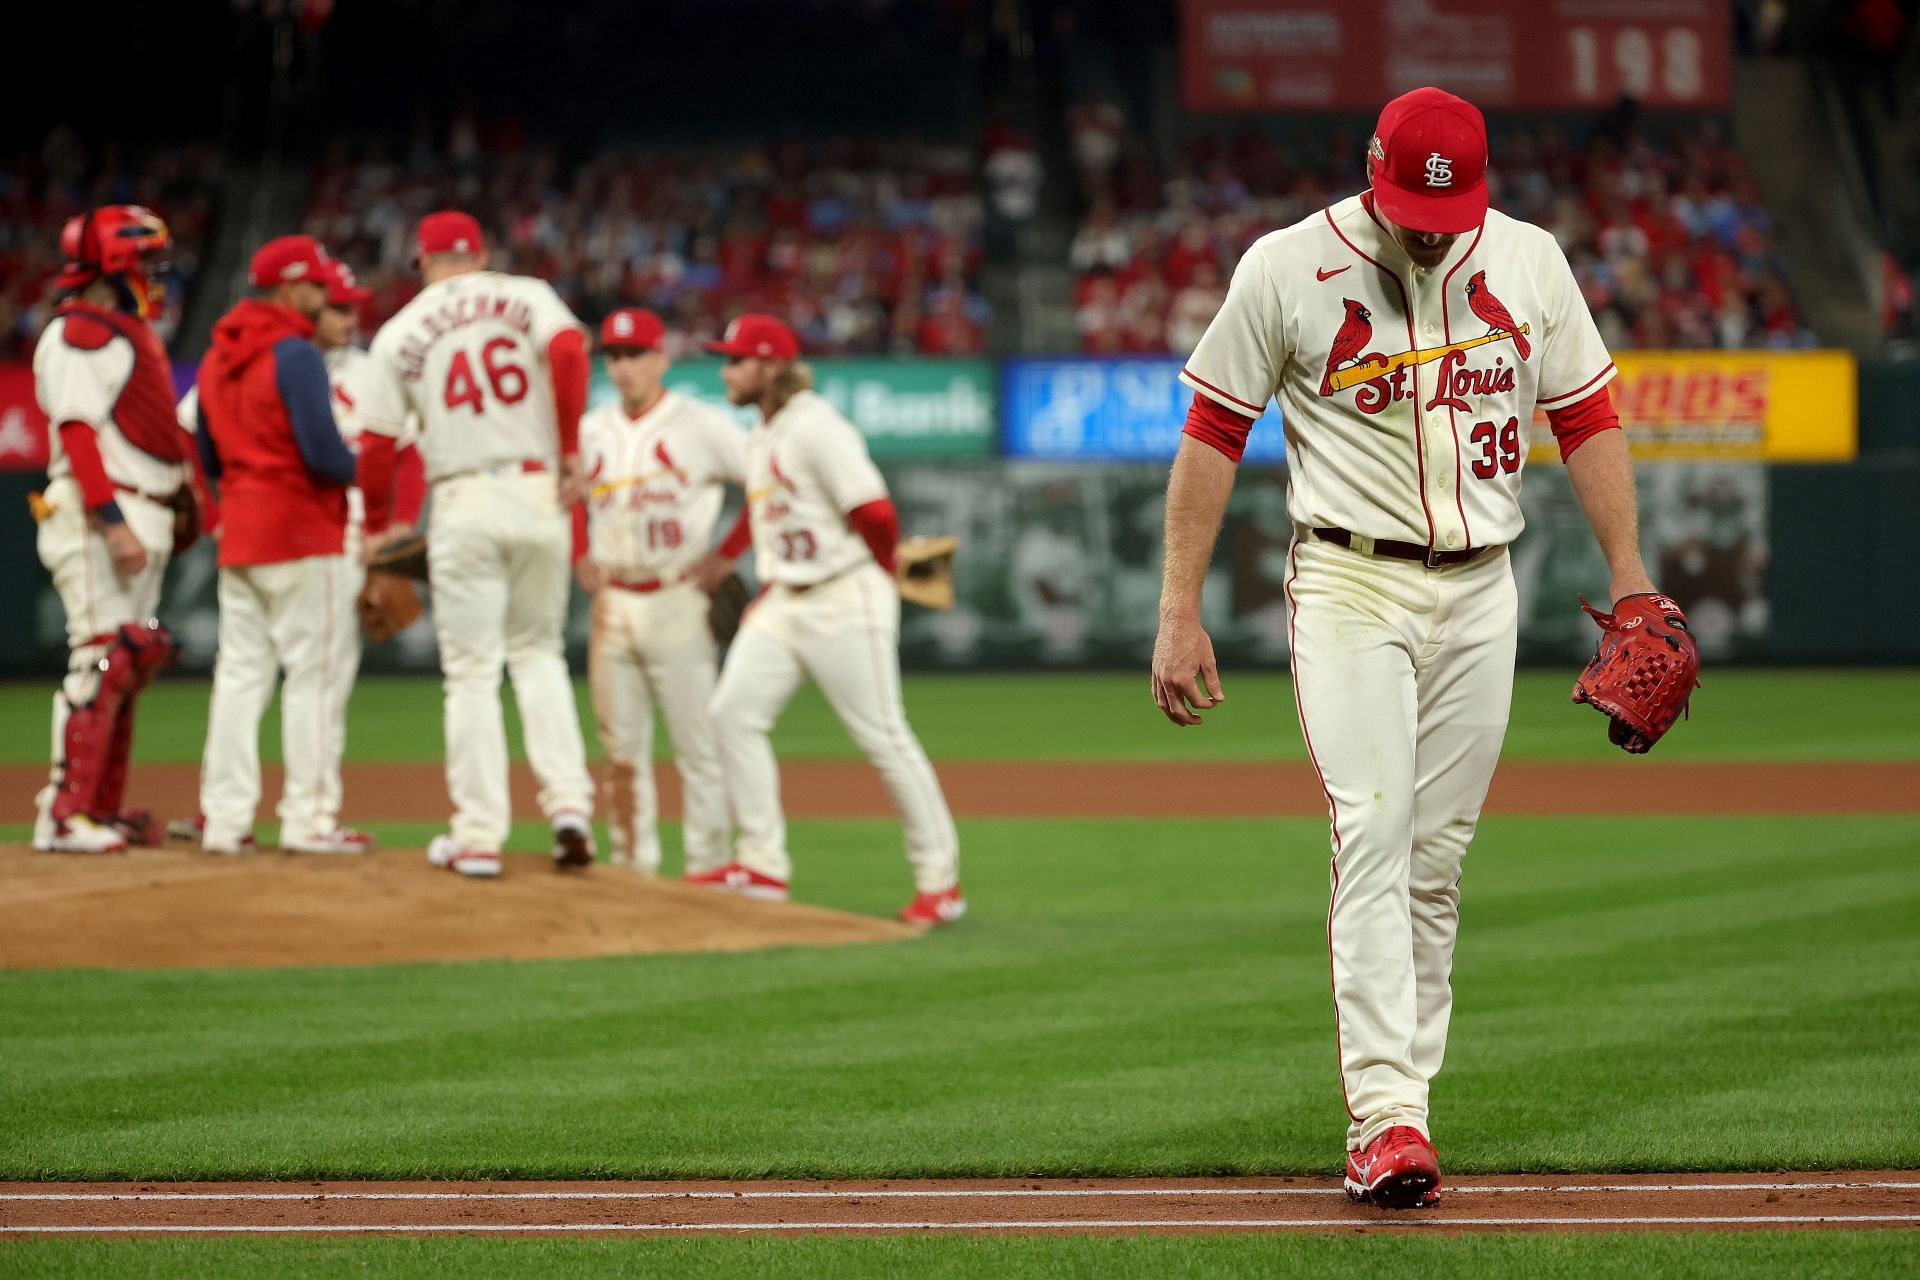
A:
162, 908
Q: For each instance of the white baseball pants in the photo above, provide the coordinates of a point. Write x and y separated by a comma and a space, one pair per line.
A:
845, 636
654, 649
1403, 677
296, 616
97, 600
497, 549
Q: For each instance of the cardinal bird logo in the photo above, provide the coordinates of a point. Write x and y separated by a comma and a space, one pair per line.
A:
1494, 313
1355, 332
665, 459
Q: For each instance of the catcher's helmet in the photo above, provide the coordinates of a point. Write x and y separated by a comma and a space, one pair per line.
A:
124, 241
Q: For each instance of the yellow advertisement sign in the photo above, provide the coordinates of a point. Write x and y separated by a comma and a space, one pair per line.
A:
1764, 406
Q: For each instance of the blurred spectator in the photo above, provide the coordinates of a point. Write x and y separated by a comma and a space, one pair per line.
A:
40, 191
1668, 239
847, 238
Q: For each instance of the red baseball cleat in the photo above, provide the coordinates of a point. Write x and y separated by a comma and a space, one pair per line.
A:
1397, 1170
734, 878
935, 908
138, 827
338, 840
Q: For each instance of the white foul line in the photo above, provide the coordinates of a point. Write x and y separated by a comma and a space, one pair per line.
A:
929, 1193
984, 1225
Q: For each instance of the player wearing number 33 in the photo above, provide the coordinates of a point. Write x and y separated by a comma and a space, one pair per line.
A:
655, 462
825, 537
496, 368
1408, 334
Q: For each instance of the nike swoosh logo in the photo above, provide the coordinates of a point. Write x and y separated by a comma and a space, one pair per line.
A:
1328, 275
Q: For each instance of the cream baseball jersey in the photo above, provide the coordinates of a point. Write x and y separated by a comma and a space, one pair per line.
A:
76, 384
1407, 394
806, 468
654, 483
469, 356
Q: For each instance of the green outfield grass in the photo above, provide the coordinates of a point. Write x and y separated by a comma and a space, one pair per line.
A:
1804, 1255
1129, 997
1738, 715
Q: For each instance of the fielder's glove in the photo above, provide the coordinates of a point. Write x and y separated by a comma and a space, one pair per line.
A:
726, 606
1643, 672
923, 570
187, 524
389, 603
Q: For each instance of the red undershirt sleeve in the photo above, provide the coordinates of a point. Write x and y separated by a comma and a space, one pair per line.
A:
579, 532
738, 538
879, 524
1575, 424
82, 447
567, 359
409, 485
375, 476
1218, 427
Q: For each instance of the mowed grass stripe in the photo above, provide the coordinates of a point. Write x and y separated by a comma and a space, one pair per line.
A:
1739, 715
1129, 997
1812, 1254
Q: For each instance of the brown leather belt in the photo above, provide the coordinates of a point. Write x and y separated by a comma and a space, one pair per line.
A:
1432, 557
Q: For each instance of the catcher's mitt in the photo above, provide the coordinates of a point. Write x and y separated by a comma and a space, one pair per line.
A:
390, 602
187, 525
1643, 672
726, 607
923, 569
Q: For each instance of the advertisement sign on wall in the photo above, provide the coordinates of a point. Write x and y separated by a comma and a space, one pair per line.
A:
1115, 410
1353, 55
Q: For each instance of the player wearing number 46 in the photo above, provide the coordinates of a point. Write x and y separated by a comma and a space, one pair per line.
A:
824, 537
655, 462
495, 368
1408, 333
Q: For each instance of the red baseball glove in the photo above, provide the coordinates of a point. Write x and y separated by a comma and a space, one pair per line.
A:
1643, 672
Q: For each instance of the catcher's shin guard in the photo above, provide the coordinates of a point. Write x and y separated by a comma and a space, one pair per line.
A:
99, 733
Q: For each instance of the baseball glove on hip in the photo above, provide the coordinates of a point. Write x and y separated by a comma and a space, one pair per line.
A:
1643, 672
187, 524
923, 569
389, 603
726, 606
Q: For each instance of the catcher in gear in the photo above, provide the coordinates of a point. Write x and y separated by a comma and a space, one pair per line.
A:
1643, 671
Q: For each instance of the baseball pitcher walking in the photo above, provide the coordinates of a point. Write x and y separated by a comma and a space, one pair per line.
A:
120, 467
655, 463
495, 367
1408, 333
268, 438
824, 535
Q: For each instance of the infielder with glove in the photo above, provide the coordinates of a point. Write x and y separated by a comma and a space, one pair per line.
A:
287, 587
825, 537
1409, 333
120, 500
496, 369
655, 463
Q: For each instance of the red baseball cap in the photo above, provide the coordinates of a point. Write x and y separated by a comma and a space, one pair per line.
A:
757, 335
633, 329
1428, 162
289, 258
342, 289
450, 231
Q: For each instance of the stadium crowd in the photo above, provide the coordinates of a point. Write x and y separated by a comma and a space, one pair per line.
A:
41, 189
870, 248
1665, 231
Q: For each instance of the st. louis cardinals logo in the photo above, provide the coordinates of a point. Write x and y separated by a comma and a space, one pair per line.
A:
1384, 379
1439, 171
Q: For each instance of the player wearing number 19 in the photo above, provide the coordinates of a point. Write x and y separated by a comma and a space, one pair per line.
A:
655, 463
496, 368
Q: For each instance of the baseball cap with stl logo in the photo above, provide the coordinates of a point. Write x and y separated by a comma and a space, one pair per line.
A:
632, 329
450, 231
1428, 162
342, 289
288, 258
757, 335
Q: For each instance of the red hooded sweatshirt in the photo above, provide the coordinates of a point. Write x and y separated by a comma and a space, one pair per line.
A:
269, 439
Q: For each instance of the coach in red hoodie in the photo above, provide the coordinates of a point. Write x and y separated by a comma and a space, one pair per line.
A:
287, 587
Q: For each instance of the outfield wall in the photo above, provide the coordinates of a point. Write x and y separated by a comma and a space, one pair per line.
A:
1051, 472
